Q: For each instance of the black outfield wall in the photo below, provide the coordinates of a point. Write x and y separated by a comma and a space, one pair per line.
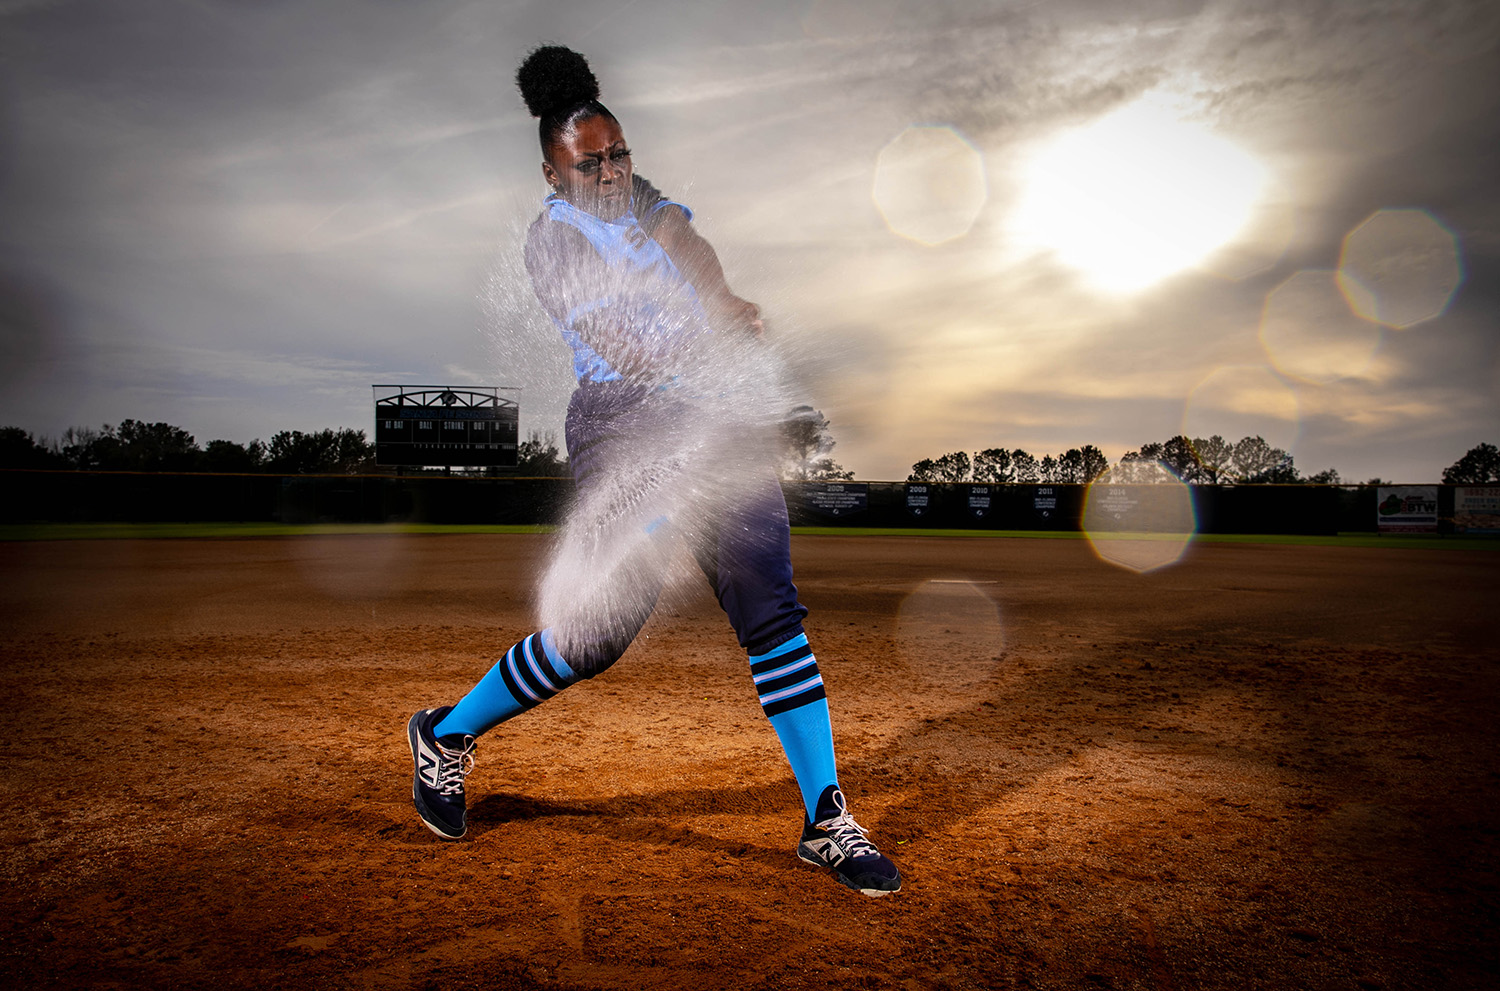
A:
70, 496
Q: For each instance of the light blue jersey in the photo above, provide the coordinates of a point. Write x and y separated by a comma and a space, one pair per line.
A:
627, 281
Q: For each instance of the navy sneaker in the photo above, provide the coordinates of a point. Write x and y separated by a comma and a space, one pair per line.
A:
837, 842
437, 784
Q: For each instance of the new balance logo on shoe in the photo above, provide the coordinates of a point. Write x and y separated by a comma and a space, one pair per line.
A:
839, 843
438, 772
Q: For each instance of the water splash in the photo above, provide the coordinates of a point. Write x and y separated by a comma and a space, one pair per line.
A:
688, 465
692, 463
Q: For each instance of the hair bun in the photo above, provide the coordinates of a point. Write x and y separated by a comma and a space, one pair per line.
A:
554, 79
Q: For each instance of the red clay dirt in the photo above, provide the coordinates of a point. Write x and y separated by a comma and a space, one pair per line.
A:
1263, 767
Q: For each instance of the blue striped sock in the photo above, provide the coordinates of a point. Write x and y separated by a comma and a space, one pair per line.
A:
529, 674
791, 693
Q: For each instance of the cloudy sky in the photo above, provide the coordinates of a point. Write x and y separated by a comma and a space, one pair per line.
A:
1037, 224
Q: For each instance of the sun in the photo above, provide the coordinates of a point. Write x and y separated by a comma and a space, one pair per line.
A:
1136, 196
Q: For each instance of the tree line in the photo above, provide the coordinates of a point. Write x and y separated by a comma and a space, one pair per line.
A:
1198, 461
135, 445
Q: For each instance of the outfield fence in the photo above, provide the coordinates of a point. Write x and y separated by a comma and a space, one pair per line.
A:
130, 497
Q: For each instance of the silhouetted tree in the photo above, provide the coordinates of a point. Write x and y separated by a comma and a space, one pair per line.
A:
1256, 462
1093, 463
228, 457
1180, 458
1077, 466
346, 451
953, 467
923, 471
828, 470
18, 449
155, 447
1025, 466
1479, 466
1136, 466
805, 433
1214, 455
87, 449
993, 465
538, 457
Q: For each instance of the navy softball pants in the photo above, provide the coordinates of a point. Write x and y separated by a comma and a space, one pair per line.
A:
742, 543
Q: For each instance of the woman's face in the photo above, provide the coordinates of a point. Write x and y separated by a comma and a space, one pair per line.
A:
589, 165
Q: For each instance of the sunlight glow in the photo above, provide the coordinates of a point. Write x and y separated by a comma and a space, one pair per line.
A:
1137, 195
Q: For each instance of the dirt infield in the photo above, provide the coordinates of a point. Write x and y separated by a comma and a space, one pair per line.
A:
1265, 767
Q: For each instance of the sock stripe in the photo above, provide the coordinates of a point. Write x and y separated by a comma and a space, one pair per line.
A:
774, 674
508, 676
517, 677
787, 677
795, 688
766, 663
551, 661
774, 686
542, 682
796, 701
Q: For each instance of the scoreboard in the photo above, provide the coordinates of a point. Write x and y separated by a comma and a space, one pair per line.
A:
448, 426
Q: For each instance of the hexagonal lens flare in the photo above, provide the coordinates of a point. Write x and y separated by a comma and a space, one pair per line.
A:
930, 184
1139, 516
953, 619
1400, 268
1310, 334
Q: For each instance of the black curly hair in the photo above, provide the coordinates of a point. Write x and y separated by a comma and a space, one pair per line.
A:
560, 89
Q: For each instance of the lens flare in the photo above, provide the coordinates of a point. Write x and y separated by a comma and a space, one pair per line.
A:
949, 634
1400, 268
1139, 516
929, 184
1235, 401
1310, 334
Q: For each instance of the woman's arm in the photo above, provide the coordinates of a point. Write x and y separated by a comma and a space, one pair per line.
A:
696, 259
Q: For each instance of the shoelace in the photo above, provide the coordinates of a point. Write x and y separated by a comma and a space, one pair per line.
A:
454, 767
849, 835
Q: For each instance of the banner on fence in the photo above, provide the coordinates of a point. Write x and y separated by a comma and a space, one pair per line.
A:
1406, 508
836, 498
1044, 502
1476, 509
979, 501
918, 499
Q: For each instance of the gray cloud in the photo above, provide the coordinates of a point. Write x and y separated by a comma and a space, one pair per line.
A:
230, 215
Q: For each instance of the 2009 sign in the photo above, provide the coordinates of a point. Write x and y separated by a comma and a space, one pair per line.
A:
837, 498
918, 500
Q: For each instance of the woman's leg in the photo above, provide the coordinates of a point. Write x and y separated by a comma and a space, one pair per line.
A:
603, 582
747, 556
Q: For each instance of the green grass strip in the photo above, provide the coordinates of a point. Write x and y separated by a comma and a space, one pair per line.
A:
220, 531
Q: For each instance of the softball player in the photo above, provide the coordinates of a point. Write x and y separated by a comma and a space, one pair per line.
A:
632, 287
